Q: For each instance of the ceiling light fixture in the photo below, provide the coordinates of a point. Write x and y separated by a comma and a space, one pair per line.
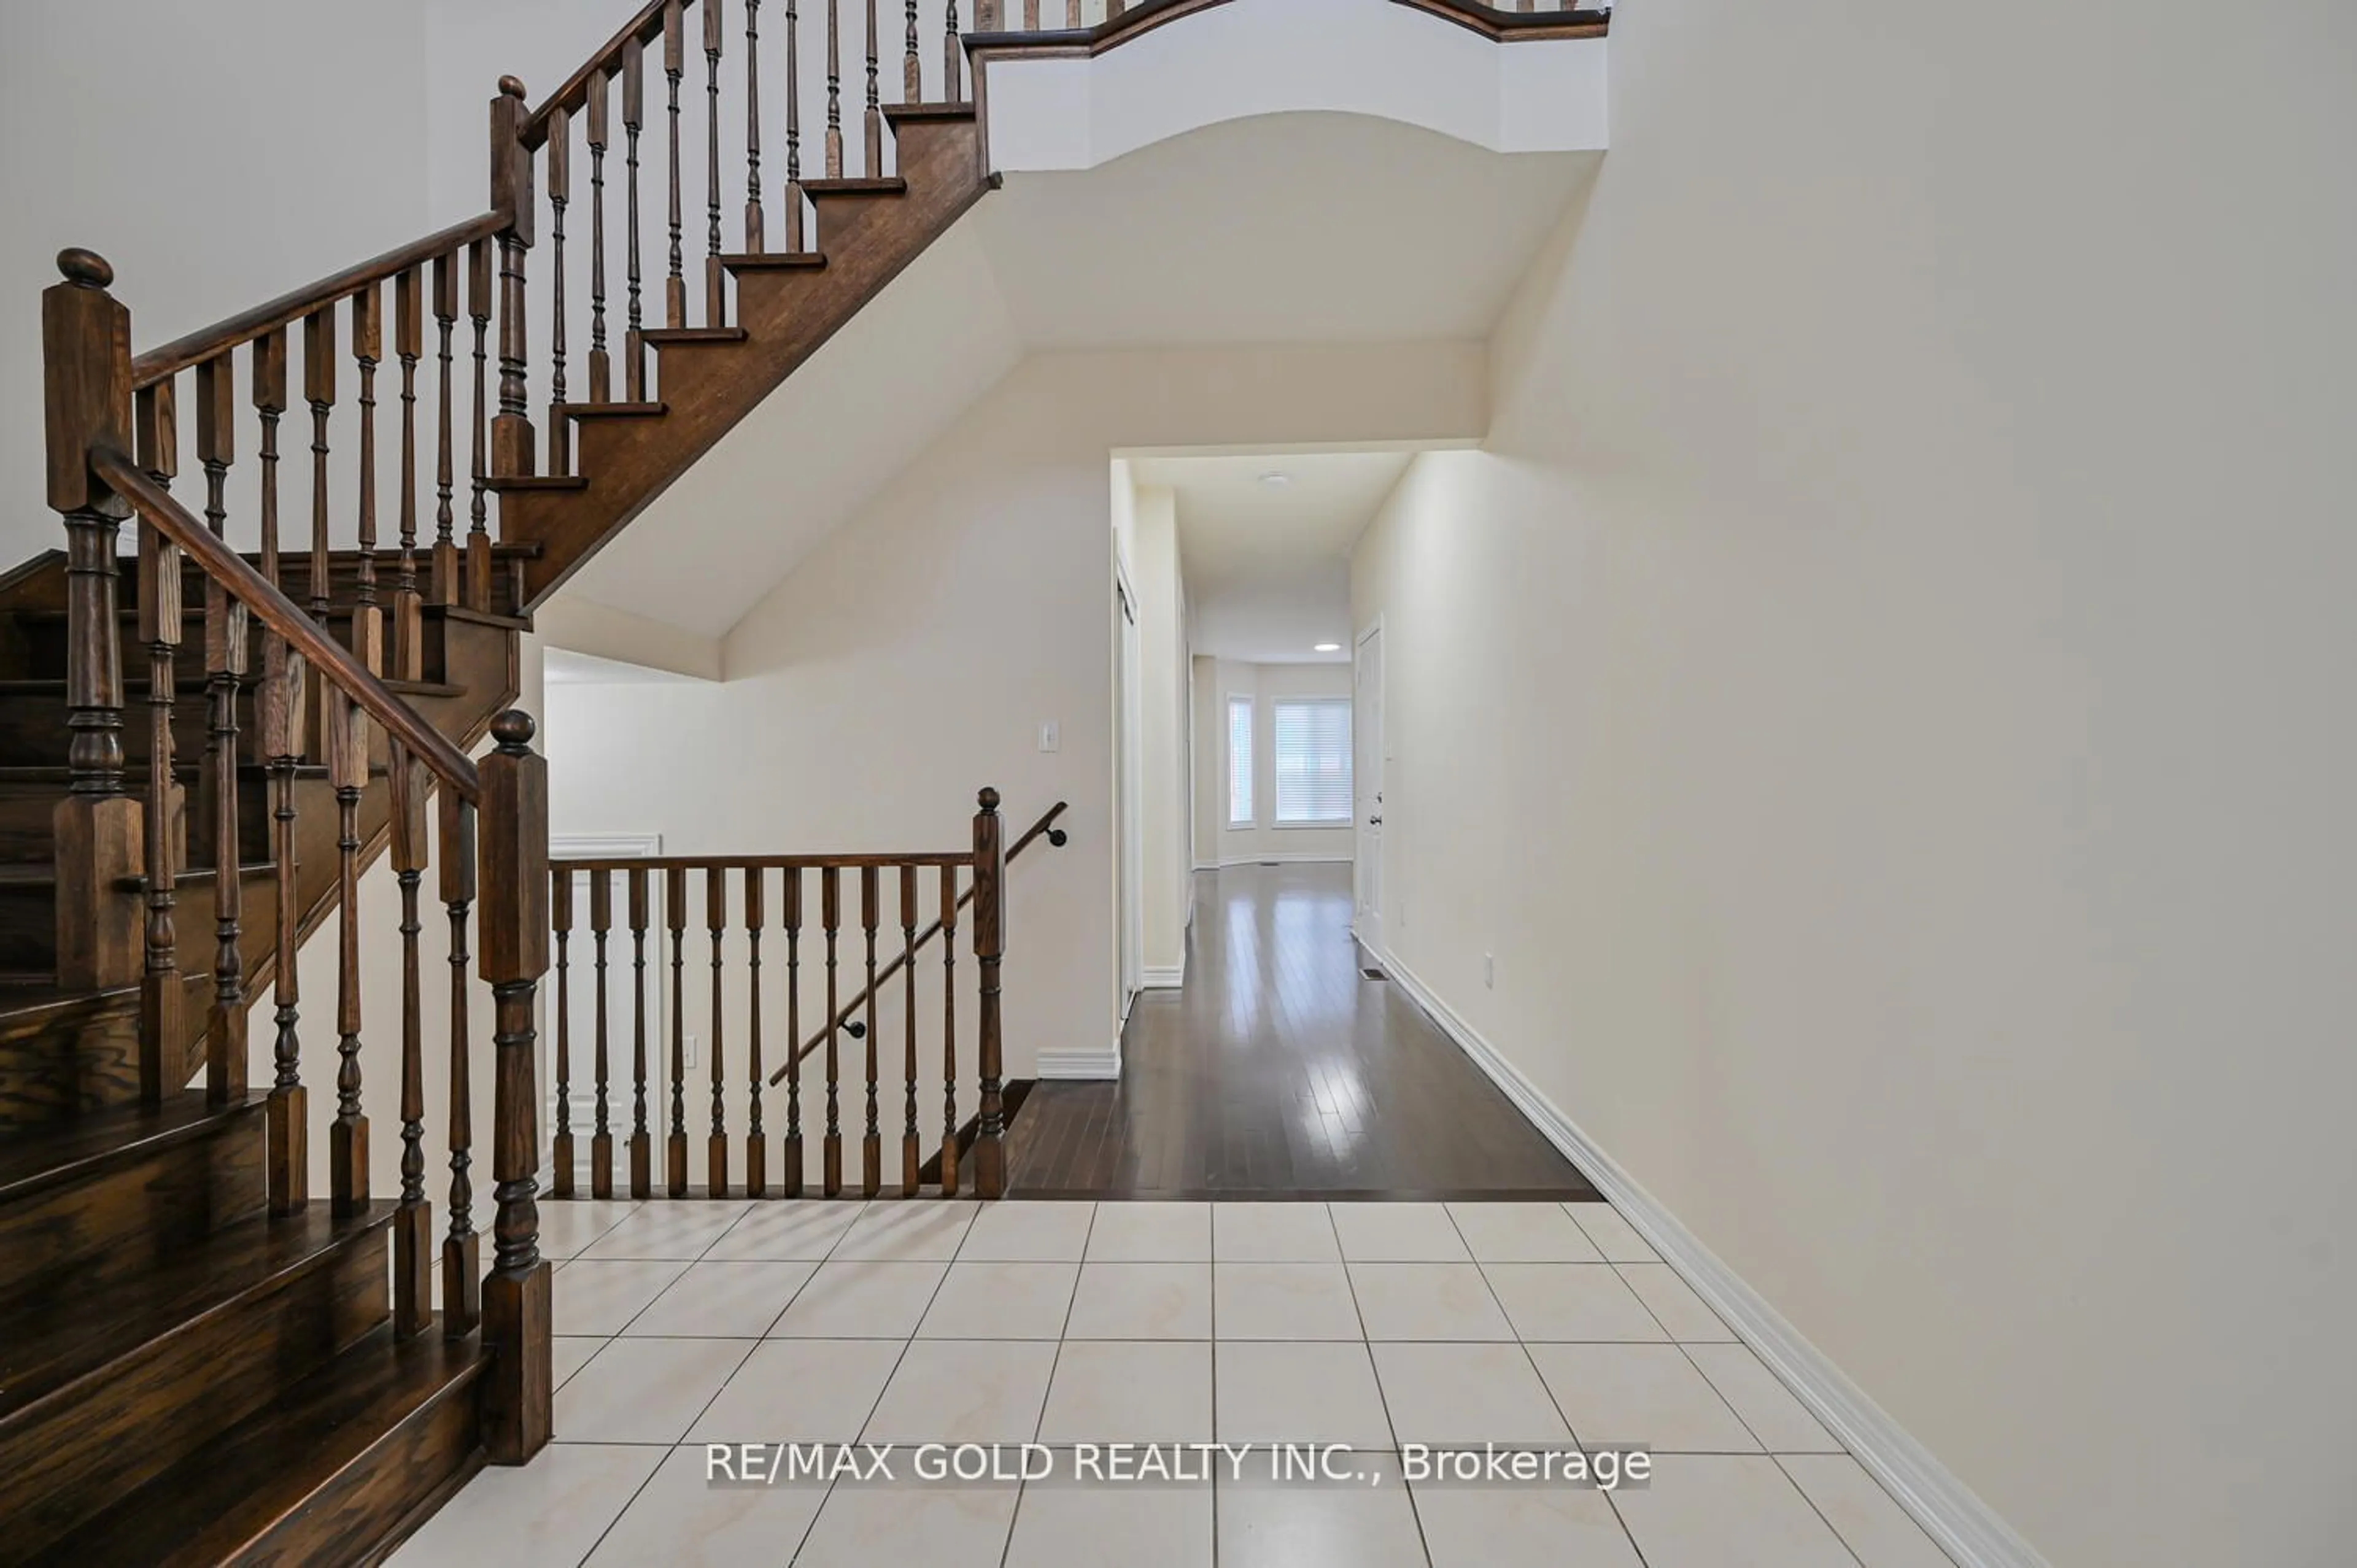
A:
1327, 647
1276, 479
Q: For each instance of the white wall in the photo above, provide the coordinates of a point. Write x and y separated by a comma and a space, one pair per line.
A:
1909, 578
1158, 575
1265, 839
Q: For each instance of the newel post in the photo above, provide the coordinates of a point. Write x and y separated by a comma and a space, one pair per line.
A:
86, 359
513, 192
513, 886
989, 944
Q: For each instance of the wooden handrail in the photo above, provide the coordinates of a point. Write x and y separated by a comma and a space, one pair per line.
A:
158, 364
1046, 824
287, 621
1491, 22
933, 859
644, 28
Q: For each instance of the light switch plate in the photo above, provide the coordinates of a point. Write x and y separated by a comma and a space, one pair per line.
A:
1051, 736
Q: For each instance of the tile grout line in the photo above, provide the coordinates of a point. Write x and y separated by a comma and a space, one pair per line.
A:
1015, 1514
1352, 1285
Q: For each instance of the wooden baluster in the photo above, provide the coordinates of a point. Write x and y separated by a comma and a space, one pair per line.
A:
831, 917
279, 706
601, 365
408, 346
794, 236
949, 1032
320, 393
462, 1261
560, 196
601, 1135
833, 90
445, 581
225, 656
952, 61
716, 919
715, 280
86, 337
755, 242
347, 757
634, 114
910, 1160
413, 1223
517, 1389
160, 587
675, 68
871, 1144
757, 1152
477, 591
514, 450
791, 1154
989, 940
560, 896
875, 118
641, 1141
912, 75
676, 911
368, 348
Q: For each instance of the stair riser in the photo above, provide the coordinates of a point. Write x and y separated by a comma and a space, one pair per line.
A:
44, 649
381, 1496
63, 1070
96, 1234
65, 1459
28, 815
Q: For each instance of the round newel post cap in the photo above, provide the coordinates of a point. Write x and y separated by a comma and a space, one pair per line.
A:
86, 268
514, 730
988, 799
512, 86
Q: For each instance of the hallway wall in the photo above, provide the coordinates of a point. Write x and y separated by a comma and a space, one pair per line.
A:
1909, 585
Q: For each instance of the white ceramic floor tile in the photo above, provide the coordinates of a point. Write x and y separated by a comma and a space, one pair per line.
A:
565, 1227
645, 1390
801, 1391
1325, 1524
1782, 1423
1002, 1301
1465, 1393
1674, 1303
595, 1297
684, 1519
1142, 1301
569, 1354
1706, 1511
1570, 1301
1086, 1525
680, 1230
787, 1229
1875, 1528
1302, 1391
1273, 1233
1614, 1237
1130, 1391
862, 1301
1523, 1234
1397, 1233
917, 1229
1282, 1301
1151, 1233
868, 1526
1647, 1396
964, 1390
1521, 1526
1426, 1301
723, 1301
1019, 1233
551, 1510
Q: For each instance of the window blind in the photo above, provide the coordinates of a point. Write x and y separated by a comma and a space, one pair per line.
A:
1240, 762
1313, 760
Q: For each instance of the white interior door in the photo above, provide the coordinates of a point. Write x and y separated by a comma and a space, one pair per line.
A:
1131, 873
1367, 786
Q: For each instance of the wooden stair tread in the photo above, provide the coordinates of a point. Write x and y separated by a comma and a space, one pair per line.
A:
269, 1468
36, 1159
612, 410
521, 482
47, 1348
873, 185
896, 112
659, 336
774, 261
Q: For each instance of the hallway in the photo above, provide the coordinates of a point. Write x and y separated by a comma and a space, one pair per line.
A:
1281, 1070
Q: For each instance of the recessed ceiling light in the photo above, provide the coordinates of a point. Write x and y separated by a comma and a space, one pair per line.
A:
1276, 479
1327, 647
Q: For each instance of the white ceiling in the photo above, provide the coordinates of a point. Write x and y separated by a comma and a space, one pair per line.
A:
1312, 227
1268, 566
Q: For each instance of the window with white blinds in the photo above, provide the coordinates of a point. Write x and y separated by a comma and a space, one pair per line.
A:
1240, 762
1313, 761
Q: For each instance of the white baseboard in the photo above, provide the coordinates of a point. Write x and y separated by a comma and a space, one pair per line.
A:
1968, 1529
1087, 1065
1289, 858
1163, 977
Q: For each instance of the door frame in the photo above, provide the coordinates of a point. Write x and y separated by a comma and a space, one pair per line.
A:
1367, 915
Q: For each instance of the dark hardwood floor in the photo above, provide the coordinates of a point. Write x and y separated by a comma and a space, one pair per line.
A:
1281, 1070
